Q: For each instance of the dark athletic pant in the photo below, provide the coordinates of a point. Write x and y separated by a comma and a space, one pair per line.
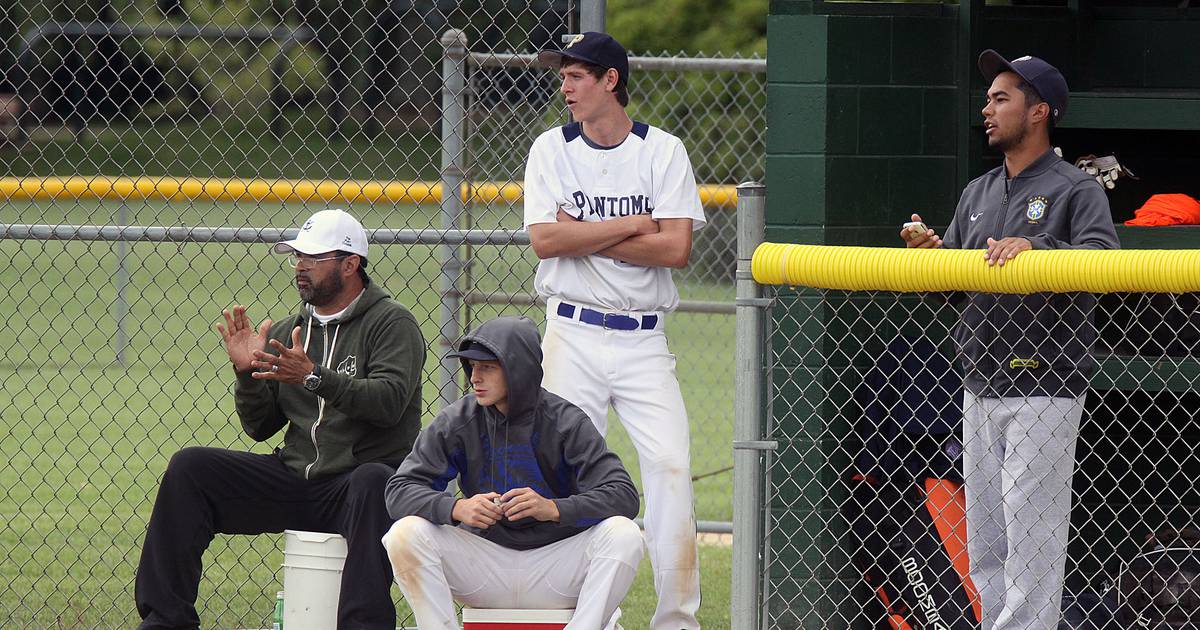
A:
208, 491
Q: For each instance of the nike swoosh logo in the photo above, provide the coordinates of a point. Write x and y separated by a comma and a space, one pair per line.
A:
976, 215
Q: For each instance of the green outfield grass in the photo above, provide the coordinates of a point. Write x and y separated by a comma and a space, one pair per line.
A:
242, 148
84, 440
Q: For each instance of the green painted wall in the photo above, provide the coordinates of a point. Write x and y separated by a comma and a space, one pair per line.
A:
872, 114
861, 129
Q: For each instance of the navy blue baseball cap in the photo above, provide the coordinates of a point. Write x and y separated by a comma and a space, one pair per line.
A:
594, 48
1045, 78
473, 350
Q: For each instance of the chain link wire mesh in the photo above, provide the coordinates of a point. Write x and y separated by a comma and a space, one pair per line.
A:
718, 112
865, 524
113, 364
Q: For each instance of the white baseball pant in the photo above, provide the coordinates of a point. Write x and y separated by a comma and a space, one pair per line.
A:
438, 564
633, 371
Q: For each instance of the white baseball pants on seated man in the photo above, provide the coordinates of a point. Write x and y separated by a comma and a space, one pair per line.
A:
634, 371
438, 564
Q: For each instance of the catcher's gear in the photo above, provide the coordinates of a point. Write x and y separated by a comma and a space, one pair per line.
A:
1105, 169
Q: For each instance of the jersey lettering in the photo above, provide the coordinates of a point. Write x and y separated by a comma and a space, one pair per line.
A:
612, 207
648, 174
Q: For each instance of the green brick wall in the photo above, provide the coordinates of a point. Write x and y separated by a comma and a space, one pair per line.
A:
872, 114
861, 119
860, 112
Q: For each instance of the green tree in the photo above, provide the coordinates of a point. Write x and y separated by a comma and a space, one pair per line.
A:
691, 26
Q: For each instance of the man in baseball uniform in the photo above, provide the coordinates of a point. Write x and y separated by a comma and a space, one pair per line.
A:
546, 518
610, 206
1026, 358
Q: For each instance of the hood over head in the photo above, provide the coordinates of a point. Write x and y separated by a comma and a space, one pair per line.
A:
516, 344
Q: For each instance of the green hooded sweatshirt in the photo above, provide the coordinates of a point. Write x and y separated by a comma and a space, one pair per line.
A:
368, 406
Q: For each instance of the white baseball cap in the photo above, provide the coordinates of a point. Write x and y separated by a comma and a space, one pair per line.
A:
327, 231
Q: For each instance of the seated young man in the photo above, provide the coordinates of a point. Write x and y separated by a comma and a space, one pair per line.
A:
546, 518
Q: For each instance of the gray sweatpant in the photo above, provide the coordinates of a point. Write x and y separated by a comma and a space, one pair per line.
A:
1018, 458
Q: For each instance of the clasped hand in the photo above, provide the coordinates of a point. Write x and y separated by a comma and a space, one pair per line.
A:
488, 508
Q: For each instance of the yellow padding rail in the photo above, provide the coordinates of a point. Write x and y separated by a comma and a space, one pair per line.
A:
901, 269
276, 190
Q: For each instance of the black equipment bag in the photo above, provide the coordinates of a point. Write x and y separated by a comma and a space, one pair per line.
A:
1160, 587
1088, 611
907, 516
913, 554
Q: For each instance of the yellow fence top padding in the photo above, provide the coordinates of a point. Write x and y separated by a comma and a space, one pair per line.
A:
912, 270
277, 190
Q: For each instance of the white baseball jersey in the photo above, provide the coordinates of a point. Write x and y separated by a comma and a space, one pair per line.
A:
647, 173
630, 370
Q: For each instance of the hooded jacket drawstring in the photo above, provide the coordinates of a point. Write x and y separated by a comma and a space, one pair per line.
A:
327, 359
502, 485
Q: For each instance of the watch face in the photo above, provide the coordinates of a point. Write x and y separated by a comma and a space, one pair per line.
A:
312, 382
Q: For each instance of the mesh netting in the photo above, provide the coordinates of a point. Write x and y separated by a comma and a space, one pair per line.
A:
866, 511
113, 363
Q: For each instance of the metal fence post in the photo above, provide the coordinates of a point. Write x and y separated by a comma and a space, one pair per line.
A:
454, 81
592, 15
748, 414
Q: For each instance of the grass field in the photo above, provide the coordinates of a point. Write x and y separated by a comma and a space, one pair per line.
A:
84, 440
233, 148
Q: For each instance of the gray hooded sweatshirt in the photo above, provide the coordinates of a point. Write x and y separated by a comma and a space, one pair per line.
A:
544, 443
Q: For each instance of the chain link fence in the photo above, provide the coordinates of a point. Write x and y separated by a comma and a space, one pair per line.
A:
860, 451
150, 150
717, 107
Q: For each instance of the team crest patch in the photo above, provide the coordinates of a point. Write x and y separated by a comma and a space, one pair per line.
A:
574, 40
1037, 208
348, 366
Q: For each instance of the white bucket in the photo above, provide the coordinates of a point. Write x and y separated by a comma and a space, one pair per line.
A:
514, 619
312, 579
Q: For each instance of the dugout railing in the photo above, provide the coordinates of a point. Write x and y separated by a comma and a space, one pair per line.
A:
835, 343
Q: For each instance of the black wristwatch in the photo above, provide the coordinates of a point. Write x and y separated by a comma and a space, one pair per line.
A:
313, 380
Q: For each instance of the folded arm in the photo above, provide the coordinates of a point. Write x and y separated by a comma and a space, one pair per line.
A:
670, 247
571, 237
